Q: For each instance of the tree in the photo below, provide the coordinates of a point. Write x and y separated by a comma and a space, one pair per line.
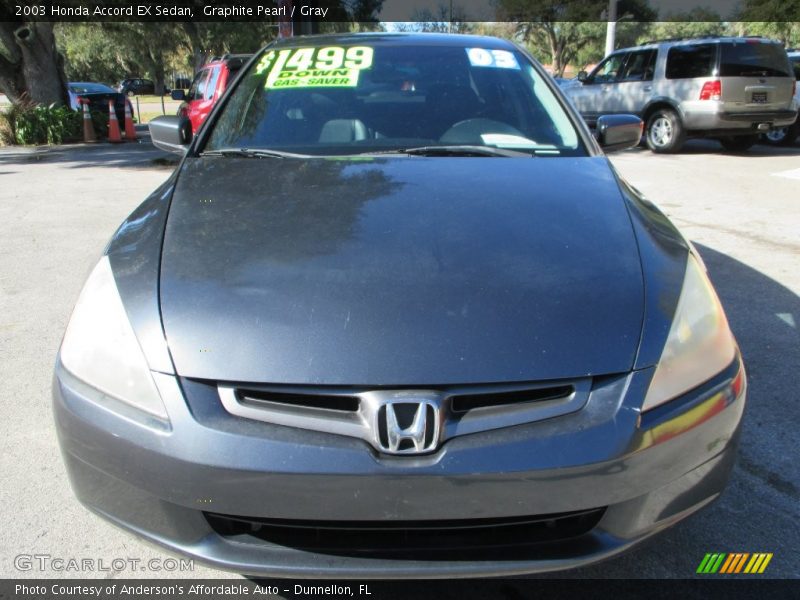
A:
778, 19
697, 22
442, 19
216, 38
30, 66
109, 51
88, 55
775, 11
564, 29
150, 44
787, 32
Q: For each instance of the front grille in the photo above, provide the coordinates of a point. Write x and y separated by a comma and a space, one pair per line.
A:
471, 538
461, 401
360, 412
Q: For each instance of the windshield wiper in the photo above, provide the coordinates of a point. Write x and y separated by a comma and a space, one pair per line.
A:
461, 150
252, 153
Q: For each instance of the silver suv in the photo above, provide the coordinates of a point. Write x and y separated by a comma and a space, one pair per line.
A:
729, 88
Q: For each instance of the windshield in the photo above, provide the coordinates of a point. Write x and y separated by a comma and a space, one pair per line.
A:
367, 97
91, 88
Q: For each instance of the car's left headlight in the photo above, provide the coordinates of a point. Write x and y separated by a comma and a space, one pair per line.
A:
101, 349
700, 343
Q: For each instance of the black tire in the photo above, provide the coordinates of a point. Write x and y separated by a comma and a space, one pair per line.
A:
792, 134
664, 132
738, 143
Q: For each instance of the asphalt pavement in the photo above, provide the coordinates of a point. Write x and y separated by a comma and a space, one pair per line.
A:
59, 207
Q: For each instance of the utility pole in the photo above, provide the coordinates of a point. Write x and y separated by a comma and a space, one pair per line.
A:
450, 20
611, 27
285, 25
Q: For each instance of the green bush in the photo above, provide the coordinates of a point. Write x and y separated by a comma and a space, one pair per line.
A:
6, 130
44, 124
100, 123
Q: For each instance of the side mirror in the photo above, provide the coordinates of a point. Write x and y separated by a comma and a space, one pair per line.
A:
582, 76
619, 132
178, 95
173, 134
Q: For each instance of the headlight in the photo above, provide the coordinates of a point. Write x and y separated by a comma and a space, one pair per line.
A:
699, 344
101, 349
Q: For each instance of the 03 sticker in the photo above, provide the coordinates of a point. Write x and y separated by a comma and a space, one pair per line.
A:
499, 59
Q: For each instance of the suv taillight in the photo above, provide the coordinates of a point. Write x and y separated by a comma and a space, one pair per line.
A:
712, 90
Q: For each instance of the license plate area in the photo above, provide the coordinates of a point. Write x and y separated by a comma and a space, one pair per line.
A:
759, 98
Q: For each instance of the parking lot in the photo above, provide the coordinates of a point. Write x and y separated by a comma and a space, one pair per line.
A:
58, 209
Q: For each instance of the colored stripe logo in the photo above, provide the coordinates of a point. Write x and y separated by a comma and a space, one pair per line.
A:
734, 562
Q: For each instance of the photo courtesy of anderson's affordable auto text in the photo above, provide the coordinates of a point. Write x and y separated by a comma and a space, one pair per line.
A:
381, 299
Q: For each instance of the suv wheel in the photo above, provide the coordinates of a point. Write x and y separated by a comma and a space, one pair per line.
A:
664, 131
782, 136
738, 143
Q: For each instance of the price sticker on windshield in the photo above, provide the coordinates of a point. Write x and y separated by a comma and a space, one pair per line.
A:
499, 59
330, 66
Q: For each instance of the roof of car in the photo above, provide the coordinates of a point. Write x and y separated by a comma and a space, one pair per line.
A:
228, 57
395, 39
87, 83
697, 40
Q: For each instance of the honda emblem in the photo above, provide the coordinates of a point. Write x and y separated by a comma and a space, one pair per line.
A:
408, 427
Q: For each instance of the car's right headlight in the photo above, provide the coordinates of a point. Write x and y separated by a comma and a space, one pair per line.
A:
700, 343
101, 349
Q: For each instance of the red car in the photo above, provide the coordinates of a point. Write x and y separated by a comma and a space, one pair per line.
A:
207, 88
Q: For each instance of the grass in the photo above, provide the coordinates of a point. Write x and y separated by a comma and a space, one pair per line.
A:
149, 116
151, 99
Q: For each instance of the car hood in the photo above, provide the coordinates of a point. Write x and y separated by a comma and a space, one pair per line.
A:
399, 271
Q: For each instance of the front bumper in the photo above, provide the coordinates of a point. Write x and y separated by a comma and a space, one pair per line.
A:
646, 472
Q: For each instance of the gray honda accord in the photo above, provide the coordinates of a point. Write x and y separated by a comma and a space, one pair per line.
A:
396, 315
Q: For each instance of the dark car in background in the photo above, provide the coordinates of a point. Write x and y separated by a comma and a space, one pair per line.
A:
137, 87
395, 314
97, 95
208, 86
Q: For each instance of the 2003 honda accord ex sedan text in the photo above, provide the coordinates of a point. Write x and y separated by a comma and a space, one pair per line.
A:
396, 315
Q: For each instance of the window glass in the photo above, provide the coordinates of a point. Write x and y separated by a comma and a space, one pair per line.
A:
796, 67
608, 70
90, 88
358, 99
692, 60
198, 87
211, 87
753, 58
639, 66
